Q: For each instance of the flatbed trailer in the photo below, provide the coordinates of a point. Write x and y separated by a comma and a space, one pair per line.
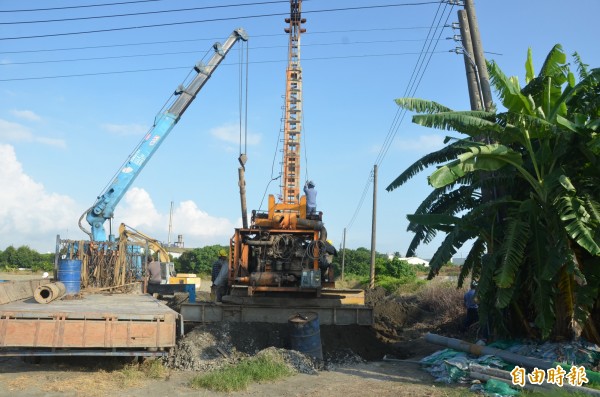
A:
88, 324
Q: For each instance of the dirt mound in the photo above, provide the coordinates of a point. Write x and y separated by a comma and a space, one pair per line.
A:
400, 321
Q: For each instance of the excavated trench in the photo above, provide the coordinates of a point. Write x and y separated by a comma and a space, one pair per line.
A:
397, 332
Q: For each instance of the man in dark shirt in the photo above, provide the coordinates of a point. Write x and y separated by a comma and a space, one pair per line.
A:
216, 269
153, 270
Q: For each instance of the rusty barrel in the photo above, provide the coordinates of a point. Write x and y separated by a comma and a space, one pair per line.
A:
69, 273
305, 334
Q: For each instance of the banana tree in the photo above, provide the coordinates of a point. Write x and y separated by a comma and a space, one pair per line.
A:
536, 231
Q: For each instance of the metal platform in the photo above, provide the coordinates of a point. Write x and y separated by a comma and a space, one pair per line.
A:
90, 321
331, 311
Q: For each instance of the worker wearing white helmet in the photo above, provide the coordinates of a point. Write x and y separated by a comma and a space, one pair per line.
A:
311, 197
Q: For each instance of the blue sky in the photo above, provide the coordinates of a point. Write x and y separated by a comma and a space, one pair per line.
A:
63, 138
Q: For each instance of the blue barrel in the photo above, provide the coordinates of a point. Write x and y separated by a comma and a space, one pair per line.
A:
69, 273
305, 334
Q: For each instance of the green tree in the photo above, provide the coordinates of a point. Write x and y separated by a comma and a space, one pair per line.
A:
198, 260
524, 186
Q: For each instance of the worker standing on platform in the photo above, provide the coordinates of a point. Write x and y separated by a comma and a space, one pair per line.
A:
220, 282
216, 269
311, 198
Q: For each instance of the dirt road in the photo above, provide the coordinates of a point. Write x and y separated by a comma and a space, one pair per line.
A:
56, 378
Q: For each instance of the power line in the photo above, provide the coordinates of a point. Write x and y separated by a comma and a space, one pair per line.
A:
215, 20
82, 6
223, 64
411, 87
206, 39
143, 13
187, 52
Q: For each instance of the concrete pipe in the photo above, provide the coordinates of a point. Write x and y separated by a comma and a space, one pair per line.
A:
49, 292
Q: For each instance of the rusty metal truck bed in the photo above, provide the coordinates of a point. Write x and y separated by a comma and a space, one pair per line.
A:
89, 321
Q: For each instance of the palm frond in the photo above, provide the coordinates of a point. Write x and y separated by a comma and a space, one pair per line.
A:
461, 122
553, 64
508, 90
421, 105
582, 68
477, 158
576, 219
512, 252
543, 302
423, 235
472, 263
452, 242
504, 296
445, 154
589, 82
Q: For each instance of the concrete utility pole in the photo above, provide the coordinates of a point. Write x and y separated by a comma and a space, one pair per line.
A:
373, 229
473, 80
343, 253
478, 55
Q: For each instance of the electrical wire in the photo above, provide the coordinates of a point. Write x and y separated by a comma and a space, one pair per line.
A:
100, 58
328, 58
142, 13
418, 73
211, 39
179, 23
81, 6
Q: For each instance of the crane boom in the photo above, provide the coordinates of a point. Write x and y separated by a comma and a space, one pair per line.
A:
292, 129
164, 122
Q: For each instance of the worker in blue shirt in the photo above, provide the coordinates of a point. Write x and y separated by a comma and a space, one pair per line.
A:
311, 198
470, 302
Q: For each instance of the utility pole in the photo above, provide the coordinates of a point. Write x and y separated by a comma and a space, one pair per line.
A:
473, 80
343, 253
373, 229
478, 55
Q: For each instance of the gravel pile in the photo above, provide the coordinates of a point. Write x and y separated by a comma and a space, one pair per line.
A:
204, 348
211, 346
297, 361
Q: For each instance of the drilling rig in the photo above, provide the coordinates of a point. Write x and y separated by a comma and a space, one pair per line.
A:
283, 249
279, 265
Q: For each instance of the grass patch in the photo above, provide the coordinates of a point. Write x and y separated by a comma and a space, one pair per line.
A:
238, 377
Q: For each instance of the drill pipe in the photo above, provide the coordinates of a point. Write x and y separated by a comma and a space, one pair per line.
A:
49, 292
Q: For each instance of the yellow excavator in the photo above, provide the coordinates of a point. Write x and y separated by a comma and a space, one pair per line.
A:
129, 236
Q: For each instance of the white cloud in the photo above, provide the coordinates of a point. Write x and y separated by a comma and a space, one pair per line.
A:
230, 133
15, 132
33, 216
29, 214
26, 115
125, 129
197, 227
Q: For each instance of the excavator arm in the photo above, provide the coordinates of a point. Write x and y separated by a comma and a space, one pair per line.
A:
105, 204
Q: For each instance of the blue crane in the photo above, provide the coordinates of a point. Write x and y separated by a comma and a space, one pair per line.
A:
164, 122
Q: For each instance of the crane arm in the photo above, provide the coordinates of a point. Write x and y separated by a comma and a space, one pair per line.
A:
105, 204
127, 233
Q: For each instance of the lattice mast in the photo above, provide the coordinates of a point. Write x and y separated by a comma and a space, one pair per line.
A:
290, 187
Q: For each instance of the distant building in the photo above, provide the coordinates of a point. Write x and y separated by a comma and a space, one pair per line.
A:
458, 261
413, 260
